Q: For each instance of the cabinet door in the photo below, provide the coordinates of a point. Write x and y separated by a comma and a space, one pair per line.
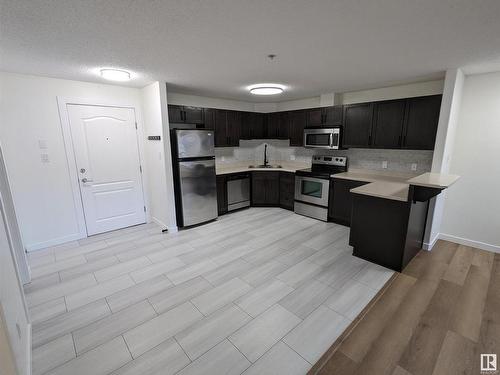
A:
421, 122
246, 125
175, 114
259, 188
258, 126
287, 190
272, 188
388, 123
333, 115
284, 125
340, 206
273, 125
209, 117
221, 194
234, 128
358, 125
221, 136
315, 117
297, 123
252, 125
193, 115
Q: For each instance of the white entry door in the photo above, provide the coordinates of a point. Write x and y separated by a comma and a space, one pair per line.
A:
109, 170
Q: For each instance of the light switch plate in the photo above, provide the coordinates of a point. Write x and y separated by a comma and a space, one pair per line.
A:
44, 158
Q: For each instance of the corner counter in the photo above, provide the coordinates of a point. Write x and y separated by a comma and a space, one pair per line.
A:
388, 217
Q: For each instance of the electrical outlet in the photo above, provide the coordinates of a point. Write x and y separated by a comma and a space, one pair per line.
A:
413, 166
384, 164
222, 158
292, 157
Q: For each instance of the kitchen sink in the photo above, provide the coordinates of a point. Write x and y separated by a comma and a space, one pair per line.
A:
265, 166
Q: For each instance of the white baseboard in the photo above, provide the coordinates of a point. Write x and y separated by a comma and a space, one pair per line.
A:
471, 243
171, 229
53, 242
429, 245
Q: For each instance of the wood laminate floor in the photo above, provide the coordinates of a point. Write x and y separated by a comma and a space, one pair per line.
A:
260, 291
436, 317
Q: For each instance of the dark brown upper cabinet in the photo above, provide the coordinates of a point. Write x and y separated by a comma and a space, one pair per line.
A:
324, 116
234, 127
296, 124
227, 128
185, 114
209, 117
252, 125
358, 125
175, 114
315, 117
388, 121
422, 117
277, 125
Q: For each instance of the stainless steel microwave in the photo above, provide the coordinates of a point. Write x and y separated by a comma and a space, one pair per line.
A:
323, 137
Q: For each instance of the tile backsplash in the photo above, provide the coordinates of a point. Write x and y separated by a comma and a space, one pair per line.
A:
280, 150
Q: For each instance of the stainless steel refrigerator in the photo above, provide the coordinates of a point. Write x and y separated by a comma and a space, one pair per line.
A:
193, 158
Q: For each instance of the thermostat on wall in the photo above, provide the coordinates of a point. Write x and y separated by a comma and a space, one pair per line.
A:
154, 137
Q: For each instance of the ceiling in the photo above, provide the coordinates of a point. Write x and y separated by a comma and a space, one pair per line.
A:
218, 47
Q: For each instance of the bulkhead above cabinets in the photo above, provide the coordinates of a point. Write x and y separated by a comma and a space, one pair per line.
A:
409, 123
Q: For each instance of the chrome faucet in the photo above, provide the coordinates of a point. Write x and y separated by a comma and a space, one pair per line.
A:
266, 162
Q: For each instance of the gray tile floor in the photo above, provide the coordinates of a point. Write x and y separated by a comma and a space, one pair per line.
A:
260, 291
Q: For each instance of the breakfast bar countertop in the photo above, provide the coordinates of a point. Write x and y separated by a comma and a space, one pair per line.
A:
394, 185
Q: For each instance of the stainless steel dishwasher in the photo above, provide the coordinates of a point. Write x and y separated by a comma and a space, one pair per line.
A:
238, 191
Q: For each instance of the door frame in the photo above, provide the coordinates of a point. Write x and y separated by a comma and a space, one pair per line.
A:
62, 103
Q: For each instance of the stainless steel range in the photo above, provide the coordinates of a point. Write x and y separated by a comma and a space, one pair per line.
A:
312, 186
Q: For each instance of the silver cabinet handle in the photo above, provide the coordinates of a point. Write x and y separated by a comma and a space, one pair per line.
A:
85, 180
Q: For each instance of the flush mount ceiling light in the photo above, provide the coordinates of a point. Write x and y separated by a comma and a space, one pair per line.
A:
266, 89
115, 75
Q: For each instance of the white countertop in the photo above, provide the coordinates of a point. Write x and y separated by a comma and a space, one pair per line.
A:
373, 176
397, 191
394, 185
434, 180
244, 167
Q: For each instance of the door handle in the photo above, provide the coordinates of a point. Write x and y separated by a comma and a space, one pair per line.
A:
85, 180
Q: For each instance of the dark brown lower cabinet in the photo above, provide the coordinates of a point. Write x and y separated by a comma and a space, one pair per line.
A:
221, 194
340, 205
287, 190
265, 188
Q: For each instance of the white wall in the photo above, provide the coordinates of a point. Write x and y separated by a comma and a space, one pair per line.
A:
471, 210
393, 92
383, 93
158, 157
209, 102
443, 149
12, 305
42, 192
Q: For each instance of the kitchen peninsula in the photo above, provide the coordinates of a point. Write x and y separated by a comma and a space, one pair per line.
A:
389, 215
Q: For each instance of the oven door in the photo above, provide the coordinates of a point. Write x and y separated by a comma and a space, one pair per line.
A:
312, 190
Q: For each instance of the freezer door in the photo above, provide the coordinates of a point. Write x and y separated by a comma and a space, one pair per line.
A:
195, 143
198, 191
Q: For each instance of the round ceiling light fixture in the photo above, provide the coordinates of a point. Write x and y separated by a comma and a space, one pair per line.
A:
266, 89
115, 75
